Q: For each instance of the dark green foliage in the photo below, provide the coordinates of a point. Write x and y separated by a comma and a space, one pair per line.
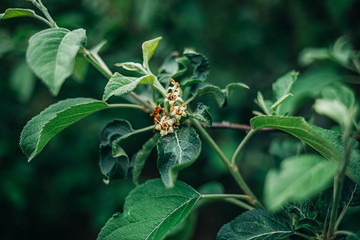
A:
177, 151
202, 114
257, 224
114, 162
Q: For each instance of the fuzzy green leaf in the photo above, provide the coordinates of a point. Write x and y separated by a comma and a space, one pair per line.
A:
141, 156
213, 90
120, 85
177, 151
51, 55
148, 49
173, 66
283, 85
17, 12
257, 224
233, 86
335, 139
299, 178
131, 66
151, 211
42, 128
202, 114
327, 143
298, 127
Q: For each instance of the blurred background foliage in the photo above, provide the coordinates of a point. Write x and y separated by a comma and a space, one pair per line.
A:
60, 194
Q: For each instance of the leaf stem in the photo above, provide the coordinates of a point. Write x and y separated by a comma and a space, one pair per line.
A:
221, 196
232, 169
338, 186
303, 235
343, 212
160, 88
241, 145
145, 129
50, 21
108, 74
239, 203
125, 105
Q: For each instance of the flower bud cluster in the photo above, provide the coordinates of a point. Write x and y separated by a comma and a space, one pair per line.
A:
168, 122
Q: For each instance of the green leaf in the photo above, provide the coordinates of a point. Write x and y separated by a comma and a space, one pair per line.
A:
42, 128
114, 162
283, 85
173, 66
335, 139
233, 86
257, 224
279, 101
17, 12
131, 66
22, 81
308, 55
299, 178
200, 63
342, 50
148, 49
177, 151
185, 229
202, 114
215, 91
120, 85
334, 110
141, 156
260, 101
151, 211
51, 55
298, 127
341, 92
327, 143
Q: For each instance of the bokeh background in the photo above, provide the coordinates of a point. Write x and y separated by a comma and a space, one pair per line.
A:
60, 194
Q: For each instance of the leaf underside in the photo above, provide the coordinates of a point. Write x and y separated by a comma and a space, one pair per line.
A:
51, 55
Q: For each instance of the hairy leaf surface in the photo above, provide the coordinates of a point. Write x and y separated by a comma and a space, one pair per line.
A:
177, 151
328, 143
17, 12
299, 178
213, 90
51, 55
43, 127
257, 224
148, 49
151, 211
120, 85
131, 66
283, 85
